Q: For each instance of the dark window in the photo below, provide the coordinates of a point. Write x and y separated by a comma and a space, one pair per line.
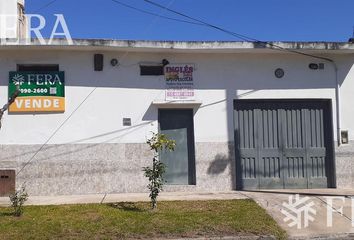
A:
151, 70
38, 67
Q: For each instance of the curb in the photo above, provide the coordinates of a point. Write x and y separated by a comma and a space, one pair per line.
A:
325, 237
226, 238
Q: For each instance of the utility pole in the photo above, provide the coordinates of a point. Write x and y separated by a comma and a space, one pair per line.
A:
9, 102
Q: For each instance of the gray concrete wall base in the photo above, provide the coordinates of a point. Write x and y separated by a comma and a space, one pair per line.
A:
107, 168
75, 169
345, 166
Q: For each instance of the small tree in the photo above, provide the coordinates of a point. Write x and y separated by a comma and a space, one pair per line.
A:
18, 198
158, 142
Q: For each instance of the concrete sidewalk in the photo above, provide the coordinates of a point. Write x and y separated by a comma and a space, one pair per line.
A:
128, 197
341, 228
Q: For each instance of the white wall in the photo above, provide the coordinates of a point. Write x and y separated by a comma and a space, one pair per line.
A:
346, 75
122, 92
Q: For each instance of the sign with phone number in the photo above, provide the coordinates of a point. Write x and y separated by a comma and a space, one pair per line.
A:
179, 82
39, 92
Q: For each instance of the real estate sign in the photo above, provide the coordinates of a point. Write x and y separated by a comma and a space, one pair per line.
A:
39, 92
179, 82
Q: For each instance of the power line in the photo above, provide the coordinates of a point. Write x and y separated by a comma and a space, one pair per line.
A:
197, 22
55, 132
240, 36
154, 14
45, 6
274, 47
154, 21
32, 158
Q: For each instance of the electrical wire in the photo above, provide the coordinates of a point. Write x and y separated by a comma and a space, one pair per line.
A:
240, 36
45, 6
196, 22
55, 132
154, 14
32, 158
156, 19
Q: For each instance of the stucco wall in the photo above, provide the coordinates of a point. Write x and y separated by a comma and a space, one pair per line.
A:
121, 92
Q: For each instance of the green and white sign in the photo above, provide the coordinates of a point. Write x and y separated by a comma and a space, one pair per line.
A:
39, 92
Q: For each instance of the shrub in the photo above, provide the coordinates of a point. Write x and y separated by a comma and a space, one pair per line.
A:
18, 198
158, 142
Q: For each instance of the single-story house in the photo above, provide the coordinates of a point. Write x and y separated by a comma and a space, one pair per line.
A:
244, 115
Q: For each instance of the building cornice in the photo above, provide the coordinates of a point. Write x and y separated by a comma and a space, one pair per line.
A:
185, 46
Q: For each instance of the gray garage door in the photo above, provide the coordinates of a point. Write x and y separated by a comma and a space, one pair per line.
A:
283, 144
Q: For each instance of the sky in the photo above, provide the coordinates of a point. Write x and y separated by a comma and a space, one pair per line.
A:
265, 20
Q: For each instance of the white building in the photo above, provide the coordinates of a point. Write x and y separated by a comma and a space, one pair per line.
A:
244, 116
284, 128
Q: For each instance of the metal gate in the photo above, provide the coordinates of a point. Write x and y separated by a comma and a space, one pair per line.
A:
283, 144
178, 125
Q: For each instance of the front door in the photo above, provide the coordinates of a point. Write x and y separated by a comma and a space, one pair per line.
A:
177, 124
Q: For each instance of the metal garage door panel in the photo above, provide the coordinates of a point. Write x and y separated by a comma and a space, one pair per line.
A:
270, 153
316, 148
271, 176
294, 150
246, 146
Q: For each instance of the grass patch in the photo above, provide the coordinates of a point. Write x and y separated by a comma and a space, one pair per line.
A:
137, 221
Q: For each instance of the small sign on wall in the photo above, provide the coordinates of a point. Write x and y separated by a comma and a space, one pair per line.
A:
179, 82
39, 92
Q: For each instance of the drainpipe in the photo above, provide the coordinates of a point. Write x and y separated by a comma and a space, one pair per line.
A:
338, 98
337, 89
338, 103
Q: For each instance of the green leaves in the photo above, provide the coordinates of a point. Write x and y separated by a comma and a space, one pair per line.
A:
18, 198
158, 142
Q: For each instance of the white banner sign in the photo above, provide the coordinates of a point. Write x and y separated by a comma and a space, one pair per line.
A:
179, 82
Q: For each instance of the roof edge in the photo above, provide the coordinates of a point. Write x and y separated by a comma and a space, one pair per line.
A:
180, 45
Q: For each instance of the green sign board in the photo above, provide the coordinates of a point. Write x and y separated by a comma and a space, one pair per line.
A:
39, 92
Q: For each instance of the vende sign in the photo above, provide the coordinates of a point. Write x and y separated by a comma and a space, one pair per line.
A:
39, 92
